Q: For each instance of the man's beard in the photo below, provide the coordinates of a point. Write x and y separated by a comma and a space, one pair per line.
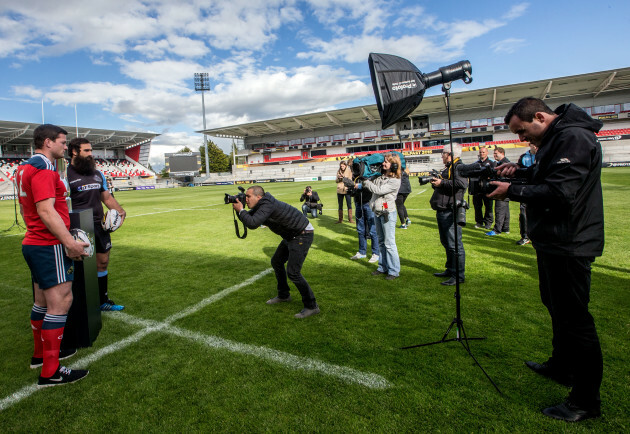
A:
84, 165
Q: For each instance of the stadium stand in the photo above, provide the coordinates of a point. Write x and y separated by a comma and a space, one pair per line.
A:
310, 145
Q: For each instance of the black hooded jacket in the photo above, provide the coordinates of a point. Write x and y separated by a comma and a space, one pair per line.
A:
565, 213
280, 217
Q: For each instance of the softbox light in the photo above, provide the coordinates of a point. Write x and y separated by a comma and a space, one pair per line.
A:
399, 86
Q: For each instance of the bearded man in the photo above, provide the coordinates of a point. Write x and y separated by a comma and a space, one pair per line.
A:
88, 188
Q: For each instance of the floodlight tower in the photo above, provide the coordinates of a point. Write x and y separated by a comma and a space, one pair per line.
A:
202, 83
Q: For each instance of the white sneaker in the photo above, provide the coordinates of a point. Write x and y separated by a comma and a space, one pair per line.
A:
373, 259
358, 256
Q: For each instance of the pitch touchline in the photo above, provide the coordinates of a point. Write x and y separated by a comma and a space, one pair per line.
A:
288, 360
349, 375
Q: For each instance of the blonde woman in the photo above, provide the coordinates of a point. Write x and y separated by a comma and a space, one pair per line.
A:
384, 190
342, 191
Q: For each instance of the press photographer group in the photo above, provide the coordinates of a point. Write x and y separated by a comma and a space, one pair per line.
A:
557, 183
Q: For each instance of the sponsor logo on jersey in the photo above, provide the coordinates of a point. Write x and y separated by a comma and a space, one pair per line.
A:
88, 187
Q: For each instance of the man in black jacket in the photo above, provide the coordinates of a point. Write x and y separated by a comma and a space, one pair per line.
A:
297, 236
501, 207
483, 219
566, 226
310, 199
442, 203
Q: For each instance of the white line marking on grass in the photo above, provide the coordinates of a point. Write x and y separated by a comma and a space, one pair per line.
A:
350, 375
12, 235
195, 208
218, 296
16, 397
420, 192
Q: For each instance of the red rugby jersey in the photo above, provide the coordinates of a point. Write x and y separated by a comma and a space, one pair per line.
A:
37, 180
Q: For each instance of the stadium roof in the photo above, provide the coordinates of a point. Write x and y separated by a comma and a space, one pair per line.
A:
21, 133
592, 85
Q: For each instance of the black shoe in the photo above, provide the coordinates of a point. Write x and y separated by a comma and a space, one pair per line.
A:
570, 412
444, 273
62, 376
36, 362
390, 277
377, 273
451, 282
546, 370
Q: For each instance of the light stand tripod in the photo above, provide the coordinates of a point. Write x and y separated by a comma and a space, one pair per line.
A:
15, 221
457, 321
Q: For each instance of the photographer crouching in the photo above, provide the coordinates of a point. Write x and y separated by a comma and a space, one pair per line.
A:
565, 222
442, 202
310, 199
297, 236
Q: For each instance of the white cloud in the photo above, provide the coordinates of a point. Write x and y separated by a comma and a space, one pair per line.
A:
173, 45
516, 11
356, 49
29, 91
162, 74
186, 28
366, 15
508, 46
445, 42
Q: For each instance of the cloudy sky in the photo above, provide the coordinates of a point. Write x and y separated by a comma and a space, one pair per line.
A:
129, 64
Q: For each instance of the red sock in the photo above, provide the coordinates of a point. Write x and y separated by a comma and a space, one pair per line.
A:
51, 338
37, 338
38, 313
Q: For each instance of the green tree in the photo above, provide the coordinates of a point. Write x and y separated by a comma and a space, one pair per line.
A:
219, 162
184, 149
164, 173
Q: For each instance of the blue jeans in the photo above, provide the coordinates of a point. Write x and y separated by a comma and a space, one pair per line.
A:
306, 209
365, 227
447, 238
388, 260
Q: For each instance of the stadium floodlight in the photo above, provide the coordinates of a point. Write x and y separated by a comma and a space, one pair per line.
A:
202, 84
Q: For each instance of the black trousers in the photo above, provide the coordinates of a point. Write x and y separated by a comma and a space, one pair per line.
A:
293, 253
400, 207
483, 218
502, 216
565, 284
522, 220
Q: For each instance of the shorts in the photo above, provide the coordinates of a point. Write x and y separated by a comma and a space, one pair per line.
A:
102, 239
49, 265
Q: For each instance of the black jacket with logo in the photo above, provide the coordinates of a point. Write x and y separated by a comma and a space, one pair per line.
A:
565, 213
280, 217
442, 198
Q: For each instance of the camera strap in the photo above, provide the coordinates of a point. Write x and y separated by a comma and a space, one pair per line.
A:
238, 232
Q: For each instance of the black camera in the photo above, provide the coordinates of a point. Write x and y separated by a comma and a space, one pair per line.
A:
462, 206
432, 174
480, 177
232, 199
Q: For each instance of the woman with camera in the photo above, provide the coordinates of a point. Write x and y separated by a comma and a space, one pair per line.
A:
384, 190
342, 191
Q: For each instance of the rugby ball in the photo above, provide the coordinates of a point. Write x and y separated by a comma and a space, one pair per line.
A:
112, 220
82, 236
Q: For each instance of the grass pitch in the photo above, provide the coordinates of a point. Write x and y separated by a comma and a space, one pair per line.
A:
197, 348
